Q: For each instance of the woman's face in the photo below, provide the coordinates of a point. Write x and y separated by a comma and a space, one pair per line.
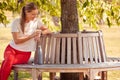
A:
31, 15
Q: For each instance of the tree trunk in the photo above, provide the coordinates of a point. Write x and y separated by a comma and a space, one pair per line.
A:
69, 19
69, 16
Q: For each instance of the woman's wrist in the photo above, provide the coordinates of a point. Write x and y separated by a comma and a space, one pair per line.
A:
30, 36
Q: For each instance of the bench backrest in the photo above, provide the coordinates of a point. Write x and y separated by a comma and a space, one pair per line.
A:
74, 48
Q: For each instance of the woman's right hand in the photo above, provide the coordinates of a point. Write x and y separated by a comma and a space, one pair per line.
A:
38, 34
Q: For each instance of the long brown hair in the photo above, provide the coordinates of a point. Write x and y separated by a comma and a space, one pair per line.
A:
27, 8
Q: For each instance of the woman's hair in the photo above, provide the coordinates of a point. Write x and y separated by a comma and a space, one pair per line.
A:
27, 8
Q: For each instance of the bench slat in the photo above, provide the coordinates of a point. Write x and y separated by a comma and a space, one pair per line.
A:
85, 50
90, 43
48, 50
96, 47
69, 51
74, 51
58, 50
102, 48
80, 48
63, 50
53, 50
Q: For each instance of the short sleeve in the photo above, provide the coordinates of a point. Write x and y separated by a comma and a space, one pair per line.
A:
15, 25
39, 24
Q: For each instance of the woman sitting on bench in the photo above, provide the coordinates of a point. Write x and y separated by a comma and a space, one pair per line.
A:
26, 30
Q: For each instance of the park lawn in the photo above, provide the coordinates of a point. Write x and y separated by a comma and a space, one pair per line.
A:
111, 40
5, 37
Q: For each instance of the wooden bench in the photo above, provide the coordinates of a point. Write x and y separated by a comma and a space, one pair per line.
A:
81, 52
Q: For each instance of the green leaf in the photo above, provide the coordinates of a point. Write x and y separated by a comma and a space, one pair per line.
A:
108, 22
85, 4
112, 12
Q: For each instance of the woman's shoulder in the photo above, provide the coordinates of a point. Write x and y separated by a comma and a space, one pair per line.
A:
16, 20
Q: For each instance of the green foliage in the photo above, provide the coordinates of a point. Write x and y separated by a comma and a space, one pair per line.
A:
92, 12
97, 12
3, 18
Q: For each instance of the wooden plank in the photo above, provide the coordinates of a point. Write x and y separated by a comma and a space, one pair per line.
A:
90, 49
74, 50
65, 35
53, 51
43, 46
69, 57
85, 50
80, 48
98, 49
102, 48
75, 35
71, 66
58, 50
63, 51
50, 53
113, 59
89, 34
34, 74
95, 48
48, 50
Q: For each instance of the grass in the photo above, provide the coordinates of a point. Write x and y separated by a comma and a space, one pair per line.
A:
5, 37
112, 45
111, 40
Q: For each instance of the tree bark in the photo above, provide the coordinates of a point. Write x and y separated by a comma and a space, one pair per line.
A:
69, 21
69, 16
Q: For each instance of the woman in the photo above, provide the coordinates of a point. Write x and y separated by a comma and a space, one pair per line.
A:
25, 31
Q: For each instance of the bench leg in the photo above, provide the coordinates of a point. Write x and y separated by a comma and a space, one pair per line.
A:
91, 74
15, 74
104, 75
34, 74
100, 75
81, 76
40, 76
52, 75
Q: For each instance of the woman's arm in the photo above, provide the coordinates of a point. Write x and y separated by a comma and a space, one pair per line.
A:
45, 30
19, 40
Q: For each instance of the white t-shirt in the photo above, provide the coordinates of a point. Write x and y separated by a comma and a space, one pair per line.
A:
30, 27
